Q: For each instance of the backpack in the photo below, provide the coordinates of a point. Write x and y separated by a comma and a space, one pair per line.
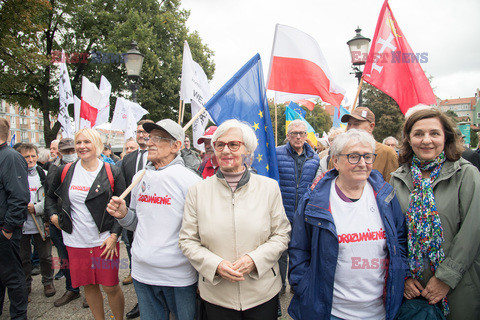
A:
107, 167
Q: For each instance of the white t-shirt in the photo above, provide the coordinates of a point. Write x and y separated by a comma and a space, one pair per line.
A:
33, 185
85, 231
159, 201
362, 257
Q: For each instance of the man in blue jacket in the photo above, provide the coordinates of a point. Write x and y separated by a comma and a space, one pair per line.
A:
14, 199
297, 166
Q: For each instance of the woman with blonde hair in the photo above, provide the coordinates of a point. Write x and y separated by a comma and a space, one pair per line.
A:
91, 235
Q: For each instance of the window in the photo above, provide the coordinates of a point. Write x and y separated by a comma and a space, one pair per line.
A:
25, 136
23, 120
13, 122
3, 108
12, 109
32, 124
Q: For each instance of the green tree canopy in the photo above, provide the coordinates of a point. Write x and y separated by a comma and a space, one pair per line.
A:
105, 28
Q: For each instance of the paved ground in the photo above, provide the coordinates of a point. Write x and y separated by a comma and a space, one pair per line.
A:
42, 307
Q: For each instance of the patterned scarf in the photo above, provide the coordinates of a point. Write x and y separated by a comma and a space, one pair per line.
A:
425, 232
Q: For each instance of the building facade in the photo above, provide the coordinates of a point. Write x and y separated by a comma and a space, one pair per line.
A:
463, 107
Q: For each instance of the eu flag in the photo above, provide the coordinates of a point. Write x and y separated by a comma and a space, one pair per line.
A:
295, 107
339, 113
244, 98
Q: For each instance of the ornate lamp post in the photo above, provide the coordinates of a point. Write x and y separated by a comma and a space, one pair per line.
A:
133, 62
359, 46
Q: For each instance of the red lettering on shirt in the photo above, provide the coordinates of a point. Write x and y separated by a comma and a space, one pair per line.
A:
79, 188
155, 199
33, 189
362, 236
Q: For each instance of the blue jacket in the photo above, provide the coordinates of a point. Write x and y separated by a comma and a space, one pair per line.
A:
293, 190
314, 250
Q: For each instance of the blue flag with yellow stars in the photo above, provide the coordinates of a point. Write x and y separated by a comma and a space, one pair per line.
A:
244, 98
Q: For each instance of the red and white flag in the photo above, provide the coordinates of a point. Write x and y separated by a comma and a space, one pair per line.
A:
393, 67
90, 104
298, 69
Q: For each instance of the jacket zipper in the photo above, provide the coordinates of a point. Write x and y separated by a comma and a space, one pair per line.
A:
298, 178
103, 215
235, 243
69, 216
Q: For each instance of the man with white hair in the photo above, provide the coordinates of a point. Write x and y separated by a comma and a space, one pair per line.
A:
297, 166
164, 279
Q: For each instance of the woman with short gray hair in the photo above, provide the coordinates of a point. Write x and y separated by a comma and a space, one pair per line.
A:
348, 248
234, 231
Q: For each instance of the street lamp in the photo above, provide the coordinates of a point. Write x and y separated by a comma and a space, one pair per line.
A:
133, 62
358, 46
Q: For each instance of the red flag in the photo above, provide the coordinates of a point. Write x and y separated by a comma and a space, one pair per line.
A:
298, 69
306, 103
394, 68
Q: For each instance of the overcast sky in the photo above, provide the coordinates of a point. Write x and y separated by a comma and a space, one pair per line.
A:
447, 30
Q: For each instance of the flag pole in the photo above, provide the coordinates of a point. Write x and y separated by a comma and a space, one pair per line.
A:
183, 112
358, 93
179, 111
276, 133
199, 113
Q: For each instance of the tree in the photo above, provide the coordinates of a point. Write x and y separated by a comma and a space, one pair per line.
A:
388, 117
94, 33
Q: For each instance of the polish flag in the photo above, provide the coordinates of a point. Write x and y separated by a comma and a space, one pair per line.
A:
90, 104
394, 68
298, 69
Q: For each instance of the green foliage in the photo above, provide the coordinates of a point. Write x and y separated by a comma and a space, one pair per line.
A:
318, 118
388, 117
107, 26
473, 138
452, 115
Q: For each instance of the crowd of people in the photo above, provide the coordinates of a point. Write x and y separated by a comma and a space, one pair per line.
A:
358, 229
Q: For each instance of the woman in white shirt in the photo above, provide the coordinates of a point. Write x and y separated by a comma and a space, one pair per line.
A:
89, 232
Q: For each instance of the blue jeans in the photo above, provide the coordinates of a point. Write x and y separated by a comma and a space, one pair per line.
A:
156, 302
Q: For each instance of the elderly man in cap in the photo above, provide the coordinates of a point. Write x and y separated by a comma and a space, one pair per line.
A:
363, 118
209, 166
164, 279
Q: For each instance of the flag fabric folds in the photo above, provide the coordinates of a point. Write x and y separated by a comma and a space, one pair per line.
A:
393, 67
195, 89
91, 100
339, 113
306, 103
126, 116
298, 69
12, 141
291, 115
295, 107
65, 96
104, 107
244, 98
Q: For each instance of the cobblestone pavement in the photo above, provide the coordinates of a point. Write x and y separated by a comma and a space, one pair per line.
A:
42, 307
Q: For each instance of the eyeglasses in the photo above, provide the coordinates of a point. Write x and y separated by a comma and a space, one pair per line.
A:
232, 145
354, 158
142, 133
298, 133
157, 139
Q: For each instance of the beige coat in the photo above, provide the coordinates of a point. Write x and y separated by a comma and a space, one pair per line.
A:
220, 224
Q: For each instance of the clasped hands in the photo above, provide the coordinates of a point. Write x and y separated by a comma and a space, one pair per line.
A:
435, 290
236, 271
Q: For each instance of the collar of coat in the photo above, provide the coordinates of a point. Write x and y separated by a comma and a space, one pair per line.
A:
243, 180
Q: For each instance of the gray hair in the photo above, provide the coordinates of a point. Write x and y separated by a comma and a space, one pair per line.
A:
334, 132
248, 135
390, 138
43, 155
296, 123
351, 137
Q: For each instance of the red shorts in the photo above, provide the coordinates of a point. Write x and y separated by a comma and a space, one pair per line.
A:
87, 267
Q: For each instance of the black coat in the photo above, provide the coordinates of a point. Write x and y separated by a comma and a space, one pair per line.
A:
14, 192
472, 157
97, 199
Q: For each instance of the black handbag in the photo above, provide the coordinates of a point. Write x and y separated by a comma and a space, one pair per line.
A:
419, 309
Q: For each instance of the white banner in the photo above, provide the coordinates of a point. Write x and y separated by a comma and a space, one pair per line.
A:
76, 112
126, 116
195, 89
104, 108
65, 98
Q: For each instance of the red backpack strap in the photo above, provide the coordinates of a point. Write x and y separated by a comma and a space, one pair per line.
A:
65, 170
110, 175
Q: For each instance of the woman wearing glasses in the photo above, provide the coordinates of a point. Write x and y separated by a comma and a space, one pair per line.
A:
439, 195
234, 230
348, 247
